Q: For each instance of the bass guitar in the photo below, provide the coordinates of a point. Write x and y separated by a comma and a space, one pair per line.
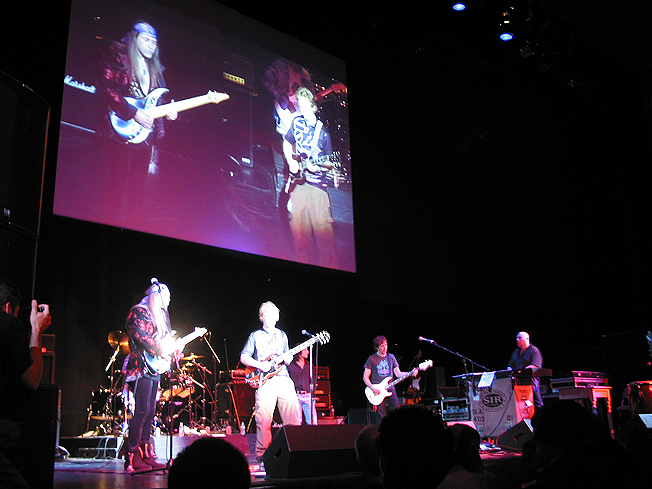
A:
160, 364
256, 378
132, 132
383, 387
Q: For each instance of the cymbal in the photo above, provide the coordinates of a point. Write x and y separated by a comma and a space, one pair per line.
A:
192, 356
119, 339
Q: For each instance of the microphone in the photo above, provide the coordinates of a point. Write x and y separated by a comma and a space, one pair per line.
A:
304, 332
432, 342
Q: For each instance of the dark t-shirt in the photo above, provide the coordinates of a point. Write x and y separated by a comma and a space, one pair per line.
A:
15, 359
381, 367
531, 356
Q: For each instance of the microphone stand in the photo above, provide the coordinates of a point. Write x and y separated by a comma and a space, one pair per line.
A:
461, 357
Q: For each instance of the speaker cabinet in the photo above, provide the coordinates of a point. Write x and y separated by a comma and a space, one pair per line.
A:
312, 451
516, 437
640, 423
244, 396
34, 454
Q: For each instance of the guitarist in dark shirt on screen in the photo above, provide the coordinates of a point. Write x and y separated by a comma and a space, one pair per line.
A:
307, 149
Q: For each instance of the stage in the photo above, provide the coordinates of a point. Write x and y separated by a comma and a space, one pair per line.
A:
93, 463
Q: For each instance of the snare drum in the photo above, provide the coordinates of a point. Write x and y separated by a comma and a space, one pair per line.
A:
639, 395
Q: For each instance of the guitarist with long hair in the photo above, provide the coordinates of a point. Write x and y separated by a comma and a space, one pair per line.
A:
132, 69
379, 366
262, 350
148, 327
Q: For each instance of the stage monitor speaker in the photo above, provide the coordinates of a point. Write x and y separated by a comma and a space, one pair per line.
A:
312, 451
364, 416
516, 437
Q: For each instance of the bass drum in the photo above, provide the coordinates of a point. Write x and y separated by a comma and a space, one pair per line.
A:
170, 414
639, 395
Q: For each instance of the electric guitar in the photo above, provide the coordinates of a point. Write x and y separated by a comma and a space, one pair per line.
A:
303, 159
256, 378
160, 364
386, 384
132, 132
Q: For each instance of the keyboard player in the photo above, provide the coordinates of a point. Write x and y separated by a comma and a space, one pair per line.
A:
527, 356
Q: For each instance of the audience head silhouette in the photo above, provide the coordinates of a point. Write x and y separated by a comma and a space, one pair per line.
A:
196, 466
415, 448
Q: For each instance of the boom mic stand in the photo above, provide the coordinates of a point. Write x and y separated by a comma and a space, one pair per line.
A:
461, 357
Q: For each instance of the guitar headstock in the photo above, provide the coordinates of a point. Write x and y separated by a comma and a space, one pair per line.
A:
425, 365
201, 331
323, 337
217, 97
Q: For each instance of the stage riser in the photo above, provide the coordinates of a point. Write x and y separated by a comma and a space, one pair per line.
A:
109, 446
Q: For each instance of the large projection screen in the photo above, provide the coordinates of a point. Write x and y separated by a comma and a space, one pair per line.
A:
216, 175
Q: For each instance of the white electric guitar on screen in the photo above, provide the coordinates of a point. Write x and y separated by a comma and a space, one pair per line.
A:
383, 387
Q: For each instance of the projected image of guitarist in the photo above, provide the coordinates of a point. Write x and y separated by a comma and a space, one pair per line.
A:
379, 366
131, 71
267, 352
307, 149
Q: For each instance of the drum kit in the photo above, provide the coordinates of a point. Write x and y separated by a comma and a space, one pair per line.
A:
184, 397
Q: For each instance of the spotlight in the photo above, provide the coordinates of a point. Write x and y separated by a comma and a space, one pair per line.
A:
505, 34
458, 7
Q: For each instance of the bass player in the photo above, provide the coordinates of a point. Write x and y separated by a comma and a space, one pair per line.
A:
263, 345
379, 366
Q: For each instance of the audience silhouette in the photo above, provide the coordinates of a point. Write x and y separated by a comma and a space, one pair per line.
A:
197, 466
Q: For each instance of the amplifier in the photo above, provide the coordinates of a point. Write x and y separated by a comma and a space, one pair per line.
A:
455, 410
584, 382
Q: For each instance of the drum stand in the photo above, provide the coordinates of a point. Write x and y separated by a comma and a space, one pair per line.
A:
109, 413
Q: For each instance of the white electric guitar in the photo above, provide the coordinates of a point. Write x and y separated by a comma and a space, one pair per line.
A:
383, 387
160, 364
132, 132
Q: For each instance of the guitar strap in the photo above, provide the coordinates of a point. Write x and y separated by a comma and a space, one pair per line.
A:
314, 144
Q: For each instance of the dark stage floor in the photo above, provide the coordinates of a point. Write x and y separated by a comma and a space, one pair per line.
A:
98, 468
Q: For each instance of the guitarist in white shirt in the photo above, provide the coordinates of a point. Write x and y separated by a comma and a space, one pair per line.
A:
148, 328
378, 367
264, 350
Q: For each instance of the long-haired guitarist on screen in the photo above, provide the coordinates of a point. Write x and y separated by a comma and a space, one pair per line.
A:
379, 366
307, 149
131, 71
263, 349
148, 327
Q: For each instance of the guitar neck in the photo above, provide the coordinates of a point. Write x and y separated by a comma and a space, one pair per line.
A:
181, 342
297, 349
180, 106
400, 379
